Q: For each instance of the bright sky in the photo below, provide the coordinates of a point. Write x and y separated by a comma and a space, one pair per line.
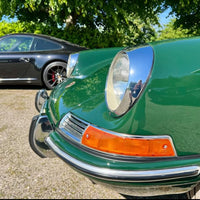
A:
7, 19
164, 19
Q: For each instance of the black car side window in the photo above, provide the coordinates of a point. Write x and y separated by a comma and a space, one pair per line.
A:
16, 44
43, 44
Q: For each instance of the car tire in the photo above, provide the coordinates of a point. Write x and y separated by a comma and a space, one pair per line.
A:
54, 73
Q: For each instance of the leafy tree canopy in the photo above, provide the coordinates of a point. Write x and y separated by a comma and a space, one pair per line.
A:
103, 23
172, 32
92, 23
187, 13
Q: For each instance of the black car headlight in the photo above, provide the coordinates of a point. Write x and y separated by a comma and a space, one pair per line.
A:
40, 98
72, 61
127, 77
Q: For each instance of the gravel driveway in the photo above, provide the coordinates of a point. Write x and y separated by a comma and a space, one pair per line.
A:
25, 175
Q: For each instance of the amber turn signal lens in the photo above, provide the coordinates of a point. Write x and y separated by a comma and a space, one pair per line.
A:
130, 146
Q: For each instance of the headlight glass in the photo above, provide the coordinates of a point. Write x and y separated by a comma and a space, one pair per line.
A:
72, 61
127, 77
117, 80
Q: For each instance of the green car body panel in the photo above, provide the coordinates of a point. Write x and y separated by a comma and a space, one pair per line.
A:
173, 89
169, 105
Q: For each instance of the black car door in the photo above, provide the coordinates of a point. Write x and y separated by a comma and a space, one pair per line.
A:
15, 56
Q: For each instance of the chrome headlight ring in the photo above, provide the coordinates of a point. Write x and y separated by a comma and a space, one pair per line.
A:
72, 61
127, 78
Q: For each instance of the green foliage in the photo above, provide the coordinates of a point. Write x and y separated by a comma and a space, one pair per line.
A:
101, 23
92, 23
187, 13
136, 33
6, 28
170, 31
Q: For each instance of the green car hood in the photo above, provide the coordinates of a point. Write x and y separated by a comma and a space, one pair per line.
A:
92, 60
169, 105
86, 89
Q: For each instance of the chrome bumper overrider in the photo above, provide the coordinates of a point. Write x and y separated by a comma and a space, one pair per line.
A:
40, 128
125, 175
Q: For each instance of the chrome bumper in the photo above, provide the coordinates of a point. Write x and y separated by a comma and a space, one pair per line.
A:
125, 175
130, 176
108, 176
40, 128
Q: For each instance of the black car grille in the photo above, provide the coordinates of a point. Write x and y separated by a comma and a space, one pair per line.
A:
72, 127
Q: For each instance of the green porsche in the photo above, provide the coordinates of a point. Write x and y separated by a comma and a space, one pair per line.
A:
127, 118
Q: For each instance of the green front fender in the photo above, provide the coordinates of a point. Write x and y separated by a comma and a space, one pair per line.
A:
169, 105
91, 61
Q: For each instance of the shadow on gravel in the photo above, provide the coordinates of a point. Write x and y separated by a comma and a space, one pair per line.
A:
20, 87
179, 196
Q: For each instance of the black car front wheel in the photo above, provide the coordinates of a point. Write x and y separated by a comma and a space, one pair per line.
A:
54, 73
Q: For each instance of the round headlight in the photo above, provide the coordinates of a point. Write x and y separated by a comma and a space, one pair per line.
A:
117, 80
127, 77
72, 61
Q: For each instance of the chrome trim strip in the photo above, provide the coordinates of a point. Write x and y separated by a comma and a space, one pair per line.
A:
78, 77
72, 127
18, 79
125, 176
112, 132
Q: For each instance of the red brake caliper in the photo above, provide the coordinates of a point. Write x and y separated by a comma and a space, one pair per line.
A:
53, 77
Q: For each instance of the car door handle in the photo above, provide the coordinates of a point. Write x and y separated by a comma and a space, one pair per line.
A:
24, 59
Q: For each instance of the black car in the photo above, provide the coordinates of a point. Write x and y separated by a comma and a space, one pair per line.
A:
34, 59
